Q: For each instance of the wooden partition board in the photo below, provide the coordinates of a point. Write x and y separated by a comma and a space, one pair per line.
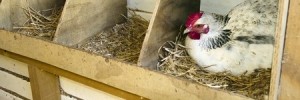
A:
12, 13
81, 19
278, 51
290, 74
164, 26
137, 80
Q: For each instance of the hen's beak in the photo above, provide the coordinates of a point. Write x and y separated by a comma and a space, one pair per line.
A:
187, 30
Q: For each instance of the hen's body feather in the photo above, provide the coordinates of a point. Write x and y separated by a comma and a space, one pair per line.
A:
247, 47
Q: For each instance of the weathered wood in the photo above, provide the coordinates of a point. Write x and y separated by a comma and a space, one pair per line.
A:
15, 66
290, 75
15, 85
168, 16
124, 76
73, 76
84, 18
44, 85
86, 93
278, 49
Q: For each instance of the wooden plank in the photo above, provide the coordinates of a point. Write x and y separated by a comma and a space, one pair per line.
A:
5, 15
7, 96
149, 84
15, 85
290, 75
14, 66
84, 92
44, 85
72, 76
278, 49
168, 16
84, 18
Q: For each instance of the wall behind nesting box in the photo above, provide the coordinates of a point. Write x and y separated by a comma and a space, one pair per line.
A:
14, 80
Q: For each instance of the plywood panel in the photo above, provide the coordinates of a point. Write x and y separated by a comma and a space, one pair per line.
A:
84, 18
168, 16
290, 75
124, 76
84, 92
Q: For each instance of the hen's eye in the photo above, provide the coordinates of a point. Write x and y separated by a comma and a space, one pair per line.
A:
198, 26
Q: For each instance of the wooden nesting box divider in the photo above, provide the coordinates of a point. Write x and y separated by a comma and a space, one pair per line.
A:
84, 18
164, 26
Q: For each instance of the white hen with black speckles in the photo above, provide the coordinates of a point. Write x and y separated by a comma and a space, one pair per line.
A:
252, 24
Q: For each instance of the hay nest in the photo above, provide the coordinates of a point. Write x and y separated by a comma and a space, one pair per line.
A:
124, 41
40, 24
174, 60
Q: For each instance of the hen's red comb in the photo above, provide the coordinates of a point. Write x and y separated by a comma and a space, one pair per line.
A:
192, 18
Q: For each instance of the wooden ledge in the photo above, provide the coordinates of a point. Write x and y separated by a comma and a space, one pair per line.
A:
123, 76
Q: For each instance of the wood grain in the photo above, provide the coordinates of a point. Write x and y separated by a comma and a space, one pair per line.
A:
84, 18
278, 49
44, 85
290, 75
72, 76
137, 80
168, 16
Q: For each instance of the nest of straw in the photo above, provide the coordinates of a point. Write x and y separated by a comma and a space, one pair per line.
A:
40, 24
124, 41
174, 60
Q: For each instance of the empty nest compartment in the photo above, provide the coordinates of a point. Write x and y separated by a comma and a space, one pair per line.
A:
40, 23
123, 41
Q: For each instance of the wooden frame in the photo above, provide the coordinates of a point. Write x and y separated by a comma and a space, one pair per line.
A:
77, 65
164, 26
82, 19
138, 80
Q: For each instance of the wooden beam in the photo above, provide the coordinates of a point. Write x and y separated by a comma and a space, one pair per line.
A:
168, 16
44, 85
60, 72
84, 18
290, 75
143, 82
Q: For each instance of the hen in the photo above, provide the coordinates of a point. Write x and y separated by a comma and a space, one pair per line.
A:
239, 42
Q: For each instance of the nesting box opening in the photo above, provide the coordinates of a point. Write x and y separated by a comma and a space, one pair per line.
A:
122, 41
41, 22
175, 60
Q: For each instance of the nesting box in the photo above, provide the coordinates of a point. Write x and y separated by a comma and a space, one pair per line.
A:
81, 20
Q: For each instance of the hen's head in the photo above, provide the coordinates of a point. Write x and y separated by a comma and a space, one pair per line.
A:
195, 26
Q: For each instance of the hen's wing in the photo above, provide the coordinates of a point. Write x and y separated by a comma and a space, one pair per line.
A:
253, 21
